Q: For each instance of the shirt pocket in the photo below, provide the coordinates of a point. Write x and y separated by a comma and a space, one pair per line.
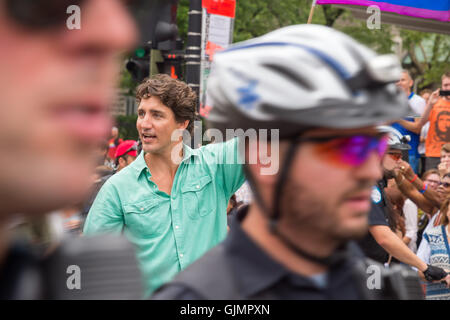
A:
198, 197
145, 218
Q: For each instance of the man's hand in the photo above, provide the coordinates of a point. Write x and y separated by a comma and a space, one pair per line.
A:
434, 273
406, 170
434, 97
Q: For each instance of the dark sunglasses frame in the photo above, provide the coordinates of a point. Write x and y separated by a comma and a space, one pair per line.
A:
394, 155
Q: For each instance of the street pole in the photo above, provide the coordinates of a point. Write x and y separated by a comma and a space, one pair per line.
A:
311, 12
193, 47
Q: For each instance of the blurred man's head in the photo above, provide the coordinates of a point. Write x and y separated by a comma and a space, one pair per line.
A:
56, 86
406, 82
126, 153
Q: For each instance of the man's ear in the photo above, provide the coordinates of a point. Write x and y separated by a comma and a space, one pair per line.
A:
183, 125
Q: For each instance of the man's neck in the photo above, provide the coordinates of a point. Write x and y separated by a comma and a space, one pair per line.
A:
256, 226
165, 161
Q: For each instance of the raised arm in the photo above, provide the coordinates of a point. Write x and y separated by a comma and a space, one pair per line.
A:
431, 195
416, 126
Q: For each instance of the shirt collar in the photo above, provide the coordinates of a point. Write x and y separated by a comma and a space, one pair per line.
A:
256, 270
139, 165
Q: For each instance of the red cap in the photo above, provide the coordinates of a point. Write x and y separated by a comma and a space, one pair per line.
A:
127, 147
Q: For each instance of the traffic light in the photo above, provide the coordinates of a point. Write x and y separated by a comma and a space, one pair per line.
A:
139, 64
166, 30
162, 50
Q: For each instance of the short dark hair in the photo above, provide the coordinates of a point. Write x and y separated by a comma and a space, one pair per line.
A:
173, 93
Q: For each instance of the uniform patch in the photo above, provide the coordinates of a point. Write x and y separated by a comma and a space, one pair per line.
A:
376, 195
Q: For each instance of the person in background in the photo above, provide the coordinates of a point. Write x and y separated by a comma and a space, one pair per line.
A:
113, 143
125, 154
432, 179
435, 250
417, 104
437, 113
444, 165
425, 94
171, 201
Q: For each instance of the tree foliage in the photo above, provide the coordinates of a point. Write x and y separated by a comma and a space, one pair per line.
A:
426, 55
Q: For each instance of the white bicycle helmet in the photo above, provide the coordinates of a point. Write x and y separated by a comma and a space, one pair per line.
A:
303, 76
396, 139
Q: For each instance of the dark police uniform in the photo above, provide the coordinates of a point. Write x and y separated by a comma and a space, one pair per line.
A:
378, 216
239, 269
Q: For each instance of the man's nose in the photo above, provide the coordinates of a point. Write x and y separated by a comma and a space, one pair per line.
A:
146, 122
371, 168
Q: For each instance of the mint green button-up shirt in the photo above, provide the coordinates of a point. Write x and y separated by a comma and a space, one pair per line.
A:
170, 231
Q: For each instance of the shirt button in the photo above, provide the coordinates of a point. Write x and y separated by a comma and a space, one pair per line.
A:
198, 187
181, 255
176, 227
142, 209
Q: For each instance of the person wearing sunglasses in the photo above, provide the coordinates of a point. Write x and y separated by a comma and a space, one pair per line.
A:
381, 241
294, 241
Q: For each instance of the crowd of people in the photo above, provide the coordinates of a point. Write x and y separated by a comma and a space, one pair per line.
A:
363, 164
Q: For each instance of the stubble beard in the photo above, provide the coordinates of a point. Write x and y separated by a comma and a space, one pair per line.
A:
306, 211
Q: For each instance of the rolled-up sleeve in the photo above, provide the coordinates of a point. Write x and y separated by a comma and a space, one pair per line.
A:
229, 167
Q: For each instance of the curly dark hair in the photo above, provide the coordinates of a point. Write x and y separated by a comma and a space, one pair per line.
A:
173, 93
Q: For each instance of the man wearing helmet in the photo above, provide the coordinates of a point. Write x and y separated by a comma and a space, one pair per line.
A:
293, 242
381, 239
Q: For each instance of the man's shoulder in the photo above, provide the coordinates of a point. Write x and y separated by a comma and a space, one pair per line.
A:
126, 174
206, 278
418, 100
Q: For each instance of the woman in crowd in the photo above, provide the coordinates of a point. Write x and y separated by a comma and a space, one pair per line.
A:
434, 250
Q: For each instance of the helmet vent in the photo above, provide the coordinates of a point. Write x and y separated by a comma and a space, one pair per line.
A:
295, 77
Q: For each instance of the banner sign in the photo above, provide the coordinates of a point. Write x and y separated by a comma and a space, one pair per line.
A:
217, 34
429, 9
